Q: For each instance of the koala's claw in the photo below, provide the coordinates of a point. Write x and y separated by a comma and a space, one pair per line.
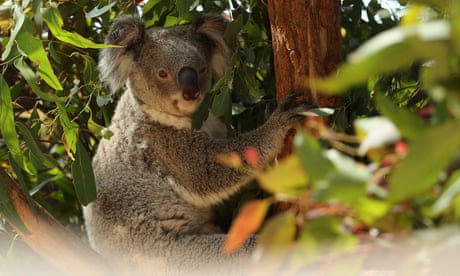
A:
287, 102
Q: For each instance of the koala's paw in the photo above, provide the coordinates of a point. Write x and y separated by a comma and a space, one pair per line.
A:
289, 109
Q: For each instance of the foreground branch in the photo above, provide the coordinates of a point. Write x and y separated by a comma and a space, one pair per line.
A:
50, 239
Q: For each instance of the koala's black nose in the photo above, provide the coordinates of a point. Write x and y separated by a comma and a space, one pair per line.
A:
188, 79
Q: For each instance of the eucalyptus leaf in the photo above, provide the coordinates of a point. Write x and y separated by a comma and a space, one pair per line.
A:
19, 18
34, 148
8, 129
32, 81
347, 183
407, 123
96, 11
388, 51
323, 235
278, 232
288, 178
70, 128
34, 50
222, 106
447, 197
54, 21
429, 154
83, 176
202, 113
312, 157
368, 210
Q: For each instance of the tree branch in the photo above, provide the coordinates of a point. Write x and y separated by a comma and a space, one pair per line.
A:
50, 239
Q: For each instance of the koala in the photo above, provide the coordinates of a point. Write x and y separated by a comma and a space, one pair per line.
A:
158, 180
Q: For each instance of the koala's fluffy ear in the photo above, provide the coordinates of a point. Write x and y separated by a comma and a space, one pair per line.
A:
214, 27
116, 63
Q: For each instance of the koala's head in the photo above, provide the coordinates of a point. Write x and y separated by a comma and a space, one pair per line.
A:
167, 69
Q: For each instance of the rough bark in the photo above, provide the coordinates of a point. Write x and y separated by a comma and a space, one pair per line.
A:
50, 240
306, 44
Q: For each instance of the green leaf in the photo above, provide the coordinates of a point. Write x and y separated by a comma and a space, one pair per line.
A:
288, 178
96, 11
233, 29
98, 129
70, 128
390, 50
429, 154
447, 197
19, 18
83, 176
347, 183
183, 7
312, 157
222, 106
34, 148
90, 74
7, 208
323, 235
278, 232
33, 48
368, 209
32, 81
201, 114
8, 129
407, 123
54, 21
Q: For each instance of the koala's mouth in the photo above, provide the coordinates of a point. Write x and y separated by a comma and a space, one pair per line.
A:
187, 104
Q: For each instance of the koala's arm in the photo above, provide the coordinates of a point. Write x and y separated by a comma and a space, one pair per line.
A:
202, 180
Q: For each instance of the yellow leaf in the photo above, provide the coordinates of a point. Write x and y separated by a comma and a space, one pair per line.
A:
288, 178
247, 223
278, 232
413, 14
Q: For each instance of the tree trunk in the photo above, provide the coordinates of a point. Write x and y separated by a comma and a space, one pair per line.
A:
306, 44
51, 240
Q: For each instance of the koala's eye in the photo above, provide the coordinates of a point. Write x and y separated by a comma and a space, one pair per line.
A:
162, 74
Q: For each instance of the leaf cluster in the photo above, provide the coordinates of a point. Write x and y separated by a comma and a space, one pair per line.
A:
395, 170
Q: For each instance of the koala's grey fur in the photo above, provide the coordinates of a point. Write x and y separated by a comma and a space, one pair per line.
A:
157, 181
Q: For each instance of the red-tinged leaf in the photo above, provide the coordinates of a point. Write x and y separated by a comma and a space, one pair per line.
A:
247, 223
426, 111
252, 155
231, 159
401, 148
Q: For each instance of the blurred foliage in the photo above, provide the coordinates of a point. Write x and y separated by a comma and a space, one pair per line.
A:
388, 164
397, 169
